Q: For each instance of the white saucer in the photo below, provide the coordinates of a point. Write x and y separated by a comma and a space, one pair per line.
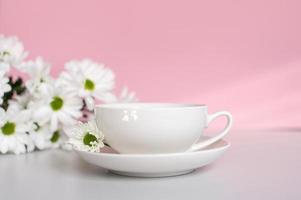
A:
155, 165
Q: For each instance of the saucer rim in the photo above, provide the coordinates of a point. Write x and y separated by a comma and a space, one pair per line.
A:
224, 147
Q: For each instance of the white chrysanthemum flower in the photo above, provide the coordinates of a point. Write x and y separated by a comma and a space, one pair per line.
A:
58, 138
39, 72
24, 99
57, 107
13, 130
11, 51
86, 137
88, 80
43, 137
4, 86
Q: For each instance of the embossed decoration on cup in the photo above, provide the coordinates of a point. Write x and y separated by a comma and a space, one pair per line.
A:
154, 128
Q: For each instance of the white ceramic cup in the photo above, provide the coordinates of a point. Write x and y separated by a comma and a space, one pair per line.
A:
152, 128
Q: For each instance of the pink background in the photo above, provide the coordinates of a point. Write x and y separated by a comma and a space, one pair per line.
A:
242, 56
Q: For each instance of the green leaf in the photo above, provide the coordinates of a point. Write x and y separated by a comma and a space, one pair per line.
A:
18, 88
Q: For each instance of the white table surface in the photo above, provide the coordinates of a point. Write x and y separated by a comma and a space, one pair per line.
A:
259, 165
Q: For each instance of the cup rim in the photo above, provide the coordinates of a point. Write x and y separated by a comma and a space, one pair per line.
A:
150, 106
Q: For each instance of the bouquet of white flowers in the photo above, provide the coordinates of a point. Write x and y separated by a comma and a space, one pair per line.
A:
36, 112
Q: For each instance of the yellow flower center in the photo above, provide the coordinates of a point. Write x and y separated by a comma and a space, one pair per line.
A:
89, 139
8, 128
56, 103
55, 137
89, 85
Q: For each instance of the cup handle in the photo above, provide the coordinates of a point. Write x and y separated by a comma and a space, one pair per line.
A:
210, 118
